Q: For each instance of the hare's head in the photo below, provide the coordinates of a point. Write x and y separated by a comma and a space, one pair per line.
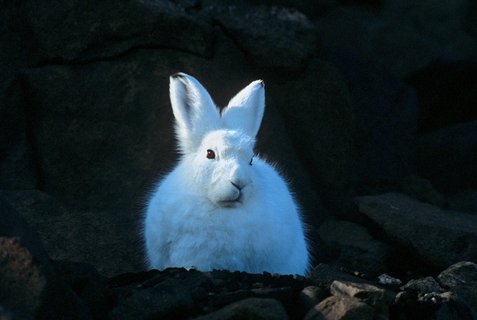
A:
217, 147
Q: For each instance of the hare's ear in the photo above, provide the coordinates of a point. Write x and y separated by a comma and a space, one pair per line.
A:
194, 111
245, 110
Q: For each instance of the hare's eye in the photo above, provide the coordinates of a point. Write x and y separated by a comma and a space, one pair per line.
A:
251, 161
210, 154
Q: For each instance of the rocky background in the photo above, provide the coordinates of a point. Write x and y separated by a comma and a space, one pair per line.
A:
371, 115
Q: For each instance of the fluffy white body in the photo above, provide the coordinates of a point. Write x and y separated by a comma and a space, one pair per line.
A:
222, 207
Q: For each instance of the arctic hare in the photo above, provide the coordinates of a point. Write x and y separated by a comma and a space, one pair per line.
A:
222, 207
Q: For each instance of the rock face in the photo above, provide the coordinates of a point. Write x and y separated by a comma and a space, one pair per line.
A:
438, 236
29, 285
447, 156
402, 36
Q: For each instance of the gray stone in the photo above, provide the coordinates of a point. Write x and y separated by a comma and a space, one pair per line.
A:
423, 286
369, 294
463, 273
340, 308
438, 236
387, 280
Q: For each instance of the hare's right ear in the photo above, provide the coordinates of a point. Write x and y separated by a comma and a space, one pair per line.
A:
194, 111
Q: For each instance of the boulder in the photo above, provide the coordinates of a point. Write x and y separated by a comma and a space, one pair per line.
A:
437, 236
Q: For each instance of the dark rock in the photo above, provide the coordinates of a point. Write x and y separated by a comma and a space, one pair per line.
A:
85, 229
318, 118
30, 287
340, 308
384, 112
89, 285
17, 169
447, 157
423, 286
310, 296
441, 87
460, 274
323, 275
358, 251
369, 294
464, 201
401, 36
461, 279
174, 293
387, 280
17, 46
270, 37
251, 308
311, 8
439, 237
87, 31
421, 189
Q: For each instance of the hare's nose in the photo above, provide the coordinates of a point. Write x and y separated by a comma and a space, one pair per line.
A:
238, 184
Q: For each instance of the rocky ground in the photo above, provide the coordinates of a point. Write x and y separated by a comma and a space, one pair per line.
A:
370, 115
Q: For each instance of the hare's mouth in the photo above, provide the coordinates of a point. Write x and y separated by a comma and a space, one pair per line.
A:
232, 203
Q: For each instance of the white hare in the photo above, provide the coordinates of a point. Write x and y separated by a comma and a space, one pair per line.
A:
222, 207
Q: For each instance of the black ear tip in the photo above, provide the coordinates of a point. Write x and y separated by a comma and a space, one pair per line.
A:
262, 83
177, 75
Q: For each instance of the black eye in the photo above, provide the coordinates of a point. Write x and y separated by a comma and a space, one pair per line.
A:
210, 154
251, 161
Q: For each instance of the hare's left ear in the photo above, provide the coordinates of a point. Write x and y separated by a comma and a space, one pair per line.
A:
245, 110
194, 111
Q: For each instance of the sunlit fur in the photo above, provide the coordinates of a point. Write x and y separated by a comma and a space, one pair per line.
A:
222, 213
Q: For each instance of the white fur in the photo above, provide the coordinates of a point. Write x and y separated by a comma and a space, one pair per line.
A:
222, 213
